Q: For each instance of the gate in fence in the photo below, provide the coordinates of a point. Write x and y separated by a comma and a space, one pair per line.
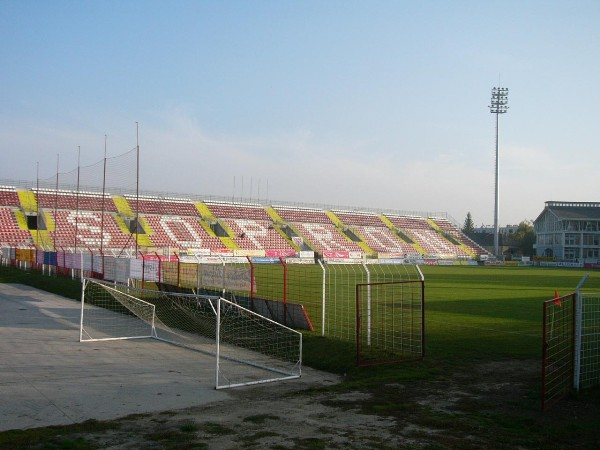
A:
571, 345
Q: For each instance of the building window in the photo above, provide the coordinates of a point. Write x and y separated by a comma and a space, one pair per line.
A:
572, 239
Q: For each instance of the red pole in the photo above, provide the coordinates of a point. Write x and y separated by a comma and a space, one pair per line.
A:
252, 287
159, 267
143, 269
91, 262
102, 256
178, 269
357, 307
423, 319
64, 257
285, 281
544, 355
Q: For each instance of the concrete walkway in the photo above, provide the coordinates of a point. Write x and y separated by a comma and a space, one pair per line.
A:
47, 377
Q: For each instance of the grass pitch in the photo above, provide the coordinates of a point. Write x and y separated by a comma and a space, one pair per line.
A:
478, 386
492, 312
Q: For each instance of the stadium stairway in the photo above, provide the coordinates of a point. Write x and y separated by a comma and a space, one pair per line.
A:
437, 228
307, 242
144, 239
21, 220
204, 212
279, 224
414, 242
387, 222
334, 219
123, 207
28, 201
363, 244
122, 225
207, 218
42, 239
402, 234
341, 227
229, 243
274, 215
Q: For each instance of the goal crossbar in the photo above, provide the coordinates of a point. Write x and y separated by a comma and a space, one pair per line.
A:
248, 348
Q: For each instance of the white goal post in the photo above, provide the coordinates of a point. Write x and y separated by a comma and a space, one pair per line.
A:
248, 348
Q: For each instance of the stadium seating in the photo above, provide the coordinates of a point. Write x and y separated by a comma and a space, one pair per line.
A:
163, 206
383, 240
326, 237
51, 199
252, 234
90, 230
359, 218
452, 230
302, 215
426, 237
237, 211
375, 233
10, 232
176, 223
316, 228
8, 196
179, 232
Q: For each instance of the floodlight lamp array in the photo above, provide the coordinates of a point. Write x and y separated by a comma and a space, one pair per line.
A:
499, 103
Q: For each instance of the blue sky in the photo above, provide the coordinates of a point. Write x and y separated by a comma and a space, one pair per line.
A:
380, 104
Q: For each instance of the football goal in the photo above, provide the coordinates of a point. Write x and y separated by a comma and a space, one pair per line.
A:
248, 348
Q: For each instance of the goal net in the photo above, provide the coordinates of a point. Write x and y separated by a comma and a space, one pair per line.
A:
247, 347
390, 323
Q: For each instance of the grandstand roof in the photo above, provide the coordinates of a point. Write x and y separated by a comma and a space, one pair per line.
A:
573, 210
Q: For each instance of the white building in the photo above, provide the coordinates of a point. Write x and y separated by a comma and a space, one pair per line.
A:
569, 231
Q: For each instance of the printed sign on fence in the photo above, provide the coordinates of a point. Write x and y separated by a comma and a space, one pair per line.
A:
151, 270
227, 277
135, 269
198, 251
280, 253
87, 262
246, 252
122, 269
110, 266
336, 254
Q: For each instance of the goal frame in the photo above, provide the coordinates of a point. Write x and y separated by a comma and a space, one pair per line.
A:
241, 357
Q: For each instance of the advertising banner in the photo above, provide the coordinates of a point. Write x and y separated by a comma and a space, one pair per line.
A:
110, 267
235, 278
245, 252
122, 269
336, 254
280, 253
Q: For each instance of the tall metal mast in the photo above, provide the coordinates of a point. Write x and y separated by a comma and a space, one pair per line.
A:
499, 105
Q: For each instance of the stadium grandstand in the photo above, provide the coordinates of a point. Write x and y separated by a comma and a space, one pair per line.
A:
569, 231
156, 223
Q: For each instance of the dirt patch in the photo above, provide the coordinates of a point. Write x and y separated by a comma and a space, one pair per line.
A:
489, 405
260, 417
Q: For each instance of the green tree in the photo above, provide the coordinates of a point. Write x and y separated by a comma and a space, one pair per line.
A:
469, 227
525, 238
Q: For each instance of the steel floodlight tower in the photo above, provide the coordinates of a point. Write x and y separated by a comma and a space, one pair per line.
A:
499, 105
